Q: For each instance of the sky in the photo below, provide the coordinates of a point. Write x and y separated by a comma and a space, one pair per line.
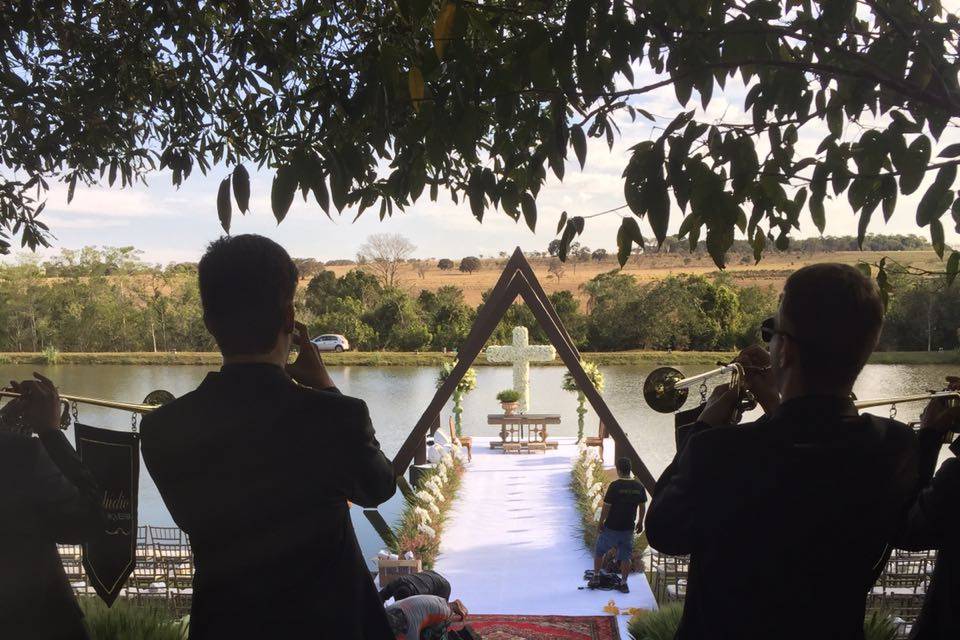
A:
171, 225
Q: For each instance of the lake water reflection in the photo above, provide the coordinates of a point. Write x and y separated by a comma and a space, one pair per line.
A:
397, 396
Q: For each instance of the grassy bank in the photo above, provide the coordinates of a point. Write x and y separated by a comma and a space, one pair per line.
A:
430, 359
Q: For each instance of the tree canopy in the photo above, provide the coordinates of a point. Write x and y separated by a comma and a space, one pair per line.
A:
376, 104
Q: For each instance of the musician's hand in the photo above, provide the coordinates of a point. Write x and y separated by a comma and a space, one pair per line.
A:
39, 403
938, 416
308, 368
759, 378
720, 407
459, 611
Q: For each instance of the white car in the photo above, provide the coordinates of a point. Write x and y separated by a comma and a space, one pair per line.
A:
331, 342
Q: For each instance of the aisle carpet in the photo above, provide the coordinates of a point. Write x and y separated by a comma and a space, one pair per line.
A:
494, 627
512, 543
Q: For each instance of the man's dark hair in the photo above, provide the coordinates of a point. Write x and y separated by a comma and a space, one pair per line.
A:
835, 314
624, 466
246, 284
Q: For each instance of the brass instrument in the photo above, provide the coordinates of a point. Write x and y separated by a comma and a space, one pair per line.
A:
666, 388
153, 400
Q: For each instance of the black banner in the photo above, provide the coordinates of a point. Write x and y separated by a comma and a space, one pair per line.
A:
113, 457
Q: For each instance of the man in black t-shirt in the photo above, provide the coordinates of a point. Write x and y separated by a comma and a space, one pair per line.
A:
618, 520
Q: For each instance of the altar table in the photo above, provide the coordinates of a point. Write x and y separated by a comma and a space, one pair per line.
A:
523, 428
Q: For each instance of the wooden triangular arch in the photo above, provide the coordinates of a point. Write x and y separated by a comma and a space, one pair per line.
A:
517, 279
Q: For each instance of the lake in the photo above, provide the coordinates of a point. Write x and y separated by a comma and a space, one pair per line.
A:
397, 396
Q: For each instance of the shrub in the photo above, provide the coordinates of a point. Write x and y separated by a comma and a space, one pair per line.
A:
508, 395
128, 621
656, 625
663, 624
470, 264
445, 264
51, 355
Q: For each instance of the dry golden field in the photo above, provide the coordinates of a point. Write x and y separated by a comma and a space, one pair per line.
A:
772, 270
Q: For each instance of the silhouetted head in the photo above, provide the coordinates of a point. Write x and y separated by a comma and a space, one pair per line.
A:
624, 467
827, 326
247, 284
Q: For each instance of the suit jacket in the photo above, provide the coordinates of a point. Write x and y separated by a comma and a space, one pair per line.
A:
786, 520
46, 497
257, 470
934, 523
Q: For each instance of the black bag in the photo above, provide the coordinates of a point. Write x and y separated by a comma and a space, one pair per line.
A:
425, 583
467, 633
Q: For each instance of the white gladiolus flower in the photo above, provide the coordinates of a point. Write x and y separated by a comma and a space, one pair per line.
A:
427, 529
422, 515
447, 460
434, 508
424, 497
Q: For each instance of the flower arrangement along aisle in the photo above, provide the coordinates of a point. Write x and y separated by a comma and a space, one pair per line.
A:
569, 384
467, 384
421, 522
589, 482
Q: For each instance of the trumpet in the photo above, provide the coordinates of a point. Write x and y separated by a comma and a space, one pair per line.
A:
153, 400
666, 389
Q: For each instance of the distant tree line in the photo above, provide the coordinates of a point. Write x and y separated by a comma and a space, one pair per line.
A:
109, 300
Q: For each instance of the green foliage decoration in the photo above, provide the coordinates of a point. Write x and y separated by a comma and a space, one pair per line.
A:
467, 384
569, 384
128, 620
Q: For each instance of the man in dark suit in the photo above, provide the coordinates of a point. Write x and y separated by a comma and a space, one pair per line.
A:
787, 520
933, 522
46, 496
257, 466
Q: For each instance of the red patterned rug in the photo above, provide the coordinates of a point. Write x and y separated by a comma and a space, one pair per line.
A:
494, 627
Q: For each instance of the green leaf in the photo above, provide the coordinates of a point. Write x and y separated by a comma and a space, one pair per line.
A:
759, 242
938, 197
862, 225
72, 187
953, 267
241, 188
579, 140
817, 213
443, 29
223, 204
658, 208
952, 151
563, 221
529, 206
912, 165
282, 191
415, 86
835, 122
319, 187
888, 191
936, 237
628, 233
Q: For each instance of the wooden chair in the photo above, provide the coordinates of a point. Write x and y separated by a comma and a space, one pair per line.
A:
465, 441
597, 441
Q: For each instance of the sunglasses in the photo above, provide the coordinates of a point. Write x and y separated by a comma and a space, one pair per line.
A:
768, 329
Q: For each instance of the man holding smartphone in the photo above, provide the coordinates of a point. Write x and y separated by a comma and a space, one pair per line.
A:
257, 466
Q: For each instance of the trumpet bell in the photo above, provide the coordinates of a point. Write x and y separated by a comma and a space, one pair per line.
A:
159, 397
660, 392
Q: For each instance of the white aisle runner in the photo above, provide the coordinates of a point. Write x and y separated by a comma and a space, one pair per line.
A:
512, 543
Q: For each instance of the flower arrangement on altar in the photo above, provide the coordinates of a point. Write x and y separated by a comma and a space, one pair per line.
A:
467, 384
589, 481
569, 384
421, 522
